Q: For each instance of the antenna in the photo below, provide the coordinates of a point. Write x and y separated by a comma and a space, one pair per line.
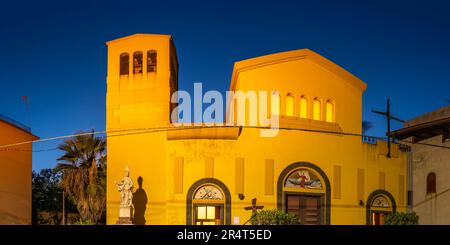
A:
25, 101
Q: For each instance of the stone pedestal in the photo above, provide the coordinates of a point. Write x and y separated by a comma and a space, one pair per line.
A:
125, 216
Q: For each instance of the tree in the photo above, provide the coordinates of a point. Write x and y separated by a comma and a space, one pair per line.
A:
274, 217
46, 197
84, 174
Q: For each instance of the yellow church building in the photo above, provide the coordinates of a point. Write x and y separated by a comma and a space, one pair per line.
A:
318, 166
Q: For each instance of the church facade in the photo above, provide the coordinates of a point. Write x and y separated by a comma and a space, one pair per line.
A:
318, 166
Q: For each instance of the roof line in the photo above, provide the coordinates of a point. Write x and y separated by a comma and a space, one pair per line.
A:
16, 124
281, 57
135, 35
423, 125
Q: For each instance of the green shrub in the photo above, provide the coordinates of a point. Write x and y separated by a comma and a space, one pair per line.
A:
401, 218
275, 217
81, 222
91, 190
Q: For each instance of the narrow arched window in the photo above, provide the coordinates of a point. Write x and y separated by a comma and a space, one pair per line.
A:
290, 104
330, 112
431, 183
303, 107
275, 104
151, 61
124, 64
137, 62
316, 109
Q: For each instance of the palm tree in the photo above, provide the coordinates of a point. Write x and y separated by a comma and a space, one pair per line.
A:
84, 174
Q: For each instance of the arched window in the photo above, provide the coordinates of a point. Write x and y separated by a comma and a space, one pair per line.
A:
275, 104
137, 62
431, 183
124, 64
330, 112
303, 107
151, 61
208, 203
316, 109
380, 203
290, 104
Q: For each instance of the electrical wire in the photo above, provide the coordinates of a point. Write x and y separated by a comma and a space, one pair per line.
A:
133, 131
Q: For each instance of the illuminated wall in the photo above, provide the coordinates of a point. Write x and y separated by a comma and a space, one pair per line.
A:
175, 164
15, 175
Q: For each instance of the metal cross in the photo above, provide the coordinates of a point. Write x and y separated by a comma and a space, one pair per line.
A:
388, 116
254, 207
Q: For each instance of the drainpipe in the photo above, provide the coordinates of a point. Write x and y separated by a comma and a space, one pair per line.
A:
409, 179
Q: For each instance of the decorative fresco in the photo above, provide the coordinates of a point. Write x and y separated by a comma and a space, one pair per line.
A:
380, 202
303, 178
208, 192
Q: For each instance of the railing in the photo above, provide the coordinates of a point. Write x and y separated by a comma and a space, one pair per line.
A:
369, 140
374, 140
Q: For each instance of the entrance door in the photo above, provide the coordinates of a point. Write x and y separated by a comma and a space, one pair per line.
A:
307, 208
378, 218
208, 215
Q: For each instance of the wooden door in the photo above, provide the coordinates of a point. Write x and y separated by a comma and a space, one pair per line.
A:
307, 208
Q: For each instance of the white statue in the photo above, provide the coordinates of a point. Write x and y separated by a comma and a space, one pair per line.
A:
125, 187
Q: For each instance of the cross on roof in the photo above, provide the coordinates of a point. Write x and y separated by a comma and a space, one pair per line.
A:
388, 115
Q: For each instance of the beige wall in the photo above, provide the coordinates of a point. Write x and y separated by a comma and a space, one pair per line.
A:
431, 208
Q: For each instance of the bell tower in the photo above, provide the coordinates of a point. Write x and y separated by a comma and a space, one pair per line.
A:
142, 74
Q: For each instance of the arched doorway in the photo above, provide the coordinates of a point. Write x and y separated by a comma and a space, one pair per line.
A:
379, 204
208, 202
304, 189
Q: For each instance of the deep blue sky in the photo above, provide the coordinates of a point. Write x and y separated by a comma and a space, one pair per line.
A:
54, 52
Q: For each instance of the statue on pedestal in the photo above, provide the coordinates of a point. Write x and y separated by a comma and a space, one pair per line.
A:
125, 187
